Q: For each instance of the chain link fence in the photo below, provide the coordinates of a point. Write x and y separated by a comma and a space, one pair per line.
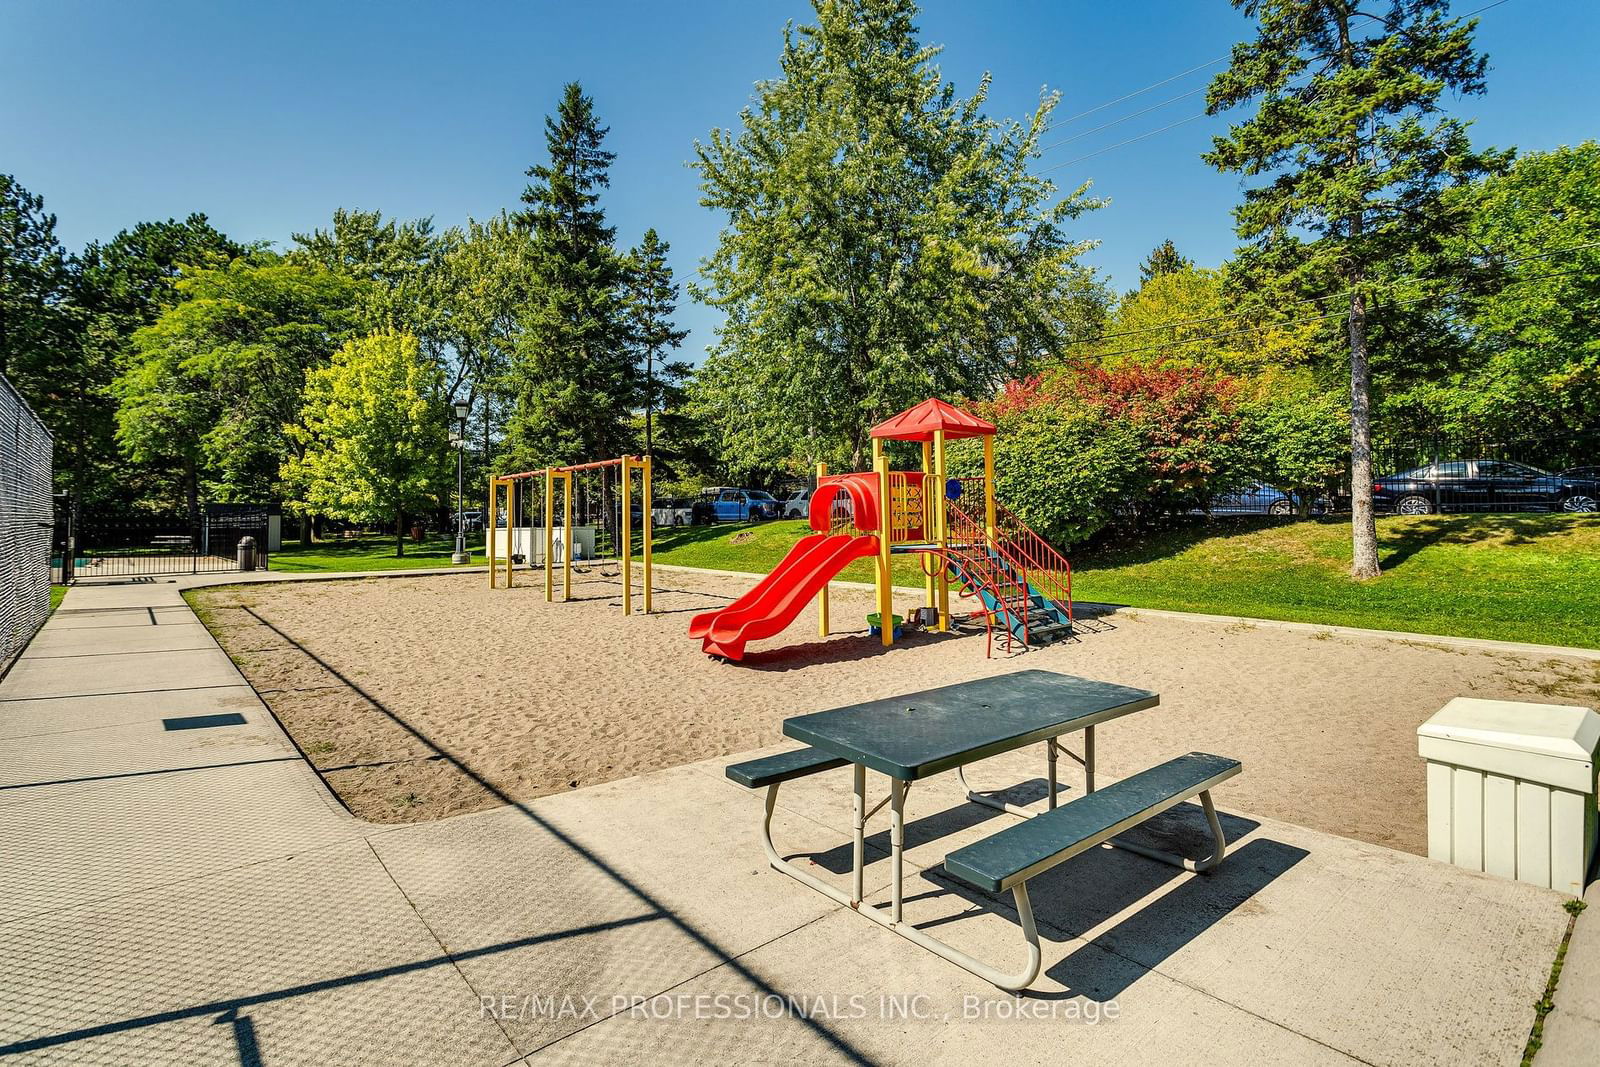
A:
26, 522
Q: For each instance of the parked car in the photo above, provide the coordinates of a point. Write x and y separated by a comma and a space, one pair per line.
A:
674, 512
471, 520
1486, 485
726, 504
1261, 499
798, 505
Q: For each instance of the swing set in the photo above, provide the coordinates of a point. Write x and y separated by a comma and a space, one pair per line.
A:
596, 500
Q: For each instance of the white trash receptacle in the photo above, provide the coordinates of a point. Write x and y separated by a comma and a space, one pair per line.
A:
1511, 789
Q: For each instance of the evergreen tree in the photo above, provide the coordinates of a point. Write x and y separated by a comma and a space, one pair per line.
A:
1354, 161
652, 298
36, 322
571, 375
1163, 259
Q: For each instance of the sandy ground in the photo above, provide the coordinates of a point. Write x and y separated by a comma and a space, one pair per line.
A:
429, 696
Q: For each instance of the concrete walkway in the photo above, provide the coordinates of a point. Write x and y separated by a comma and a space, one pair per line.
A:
178, 886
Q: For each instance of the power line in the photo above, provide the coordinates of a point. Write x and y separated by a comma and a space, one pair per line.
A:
1125, 118
1120, 144
1141, 92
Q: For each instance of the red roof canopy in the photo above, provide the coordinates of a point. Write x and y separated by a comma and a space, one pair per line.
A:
919, 423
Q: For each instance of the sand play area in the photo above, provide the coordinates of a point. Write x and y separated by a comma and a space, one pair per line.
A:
378, 680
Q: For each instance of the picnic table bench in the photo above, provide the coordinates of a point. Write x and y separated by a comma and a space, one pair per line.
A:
909, 738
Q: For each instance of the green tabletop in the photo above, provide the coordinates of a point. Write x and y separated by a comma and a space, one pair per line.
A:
922, 734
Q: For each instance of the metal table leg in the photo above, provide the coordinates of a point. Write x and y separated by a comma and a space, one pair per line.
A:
893, 919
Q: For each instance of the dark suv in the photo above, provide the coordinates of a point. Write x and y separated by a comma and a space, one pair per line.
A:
1486, 485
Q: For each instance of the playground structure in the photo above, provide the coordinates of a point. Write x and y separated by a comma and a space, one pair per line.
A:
1024, 586
613, 505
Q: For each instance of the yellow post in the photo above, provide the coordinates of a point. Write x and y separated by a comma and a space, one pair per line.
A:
885, 536
511, 529
627, 538
649, 522
566, 539
943, 524
488, 530
822, 597
549, 535
990, 528
929, 500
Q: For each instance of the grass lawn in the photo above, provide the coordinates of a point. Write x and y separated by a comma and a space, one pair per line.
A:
56, 593
370, 554
1508, 577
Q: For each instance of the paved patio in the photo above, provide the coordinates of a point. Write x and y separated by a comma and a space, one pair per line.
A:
182, 888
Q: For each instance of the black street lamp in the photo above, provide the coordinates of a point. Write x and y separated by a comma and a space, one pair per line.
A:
458, 437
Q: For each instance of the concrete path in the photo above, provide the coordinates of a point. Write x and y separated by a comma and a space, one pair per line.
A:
178, 886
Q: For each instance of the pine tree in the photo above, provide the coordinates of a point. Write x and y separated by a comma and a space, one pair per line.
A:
571, 375
1350, 149
1163, 259
652, 298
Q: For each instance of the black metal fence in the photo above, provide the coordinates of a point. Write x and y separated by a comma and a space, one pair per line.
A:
144, 544
25, 522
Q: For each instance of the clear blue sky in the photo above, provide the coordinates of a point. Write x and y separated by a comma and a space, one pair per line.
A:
268, 116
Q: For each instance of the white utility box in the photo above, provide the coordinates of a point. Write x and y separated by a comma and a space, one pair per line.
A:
528, 542
1511, 789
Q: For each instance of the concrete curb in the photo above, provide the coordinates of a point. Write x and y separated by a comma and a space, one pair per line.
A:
1086, 607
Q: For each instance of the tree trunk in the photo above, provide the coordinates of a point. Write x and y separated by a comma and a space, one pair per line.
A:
1363, 528
305, 530
399, 533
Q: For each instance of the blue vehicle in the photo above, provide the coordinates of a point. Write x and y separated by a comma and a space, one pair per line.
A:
726, 504
1261, 499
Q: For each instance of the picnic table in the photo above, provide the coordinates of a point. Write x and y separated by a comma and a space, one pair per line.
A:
913, 737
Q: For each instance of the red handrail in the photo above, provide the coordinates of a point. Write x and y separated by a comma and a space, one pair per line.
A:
1034, 561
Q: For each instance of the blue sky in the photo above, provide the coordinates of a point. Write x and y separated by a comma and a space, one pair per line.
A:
268, 116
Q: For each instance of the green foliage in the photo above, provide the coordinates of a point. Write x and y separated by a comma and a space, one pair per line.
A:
215, 383
1163, 259
1186, 317
652, 298
1530, 359
1352, 157
120, 287
372, 435
397, 258
36, 322
885, 242
1082, 448
1296, 437
571, 376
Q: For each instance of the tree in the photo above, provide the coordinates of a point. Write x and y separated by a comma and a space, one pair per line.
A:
1354, 158
396, 258
1188, 317
36, 322
885, 241
571, 375
214, 383
652, 298
1163, 259
120, 287
373, 434
1528, 357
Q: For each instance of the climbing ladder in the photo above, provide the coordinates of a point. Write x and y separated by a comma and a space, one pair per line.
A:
1024, 584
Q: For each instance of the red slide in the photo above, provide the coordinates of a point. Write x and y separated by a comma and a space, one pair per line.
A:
781, 595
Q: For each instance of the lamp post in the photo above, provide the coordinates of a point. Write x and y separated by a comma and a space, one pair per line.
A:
458, 437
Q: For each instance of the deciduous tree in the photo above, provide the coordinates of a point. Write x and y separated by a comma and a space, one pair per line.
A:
885, 241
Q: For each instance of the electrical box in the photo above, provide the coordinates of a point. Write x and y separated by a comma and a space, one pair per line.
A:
1511, 789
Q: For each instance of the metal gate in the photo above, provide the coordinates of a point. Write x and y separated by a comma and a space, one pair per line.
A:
143, 544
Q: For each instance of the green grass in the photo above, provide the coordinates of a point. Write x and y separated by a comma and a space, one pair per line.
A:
1508, 577
370, 554
57, 592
